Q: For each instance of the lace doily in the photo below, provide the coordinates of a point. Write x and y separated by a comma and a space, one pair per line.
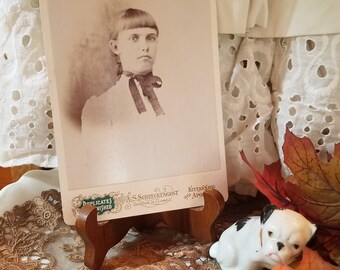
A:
34, 236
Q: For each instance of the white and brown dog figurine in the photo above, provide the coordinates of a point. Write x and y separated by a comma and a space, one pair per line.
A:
253, 243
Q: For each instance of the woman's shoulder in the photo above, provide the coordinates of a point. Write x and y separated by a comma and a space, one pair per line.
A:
98, 107
94, 105
106, 97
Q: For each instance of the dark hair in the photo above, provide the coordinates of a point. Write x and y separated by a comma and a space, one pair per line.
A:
132, 18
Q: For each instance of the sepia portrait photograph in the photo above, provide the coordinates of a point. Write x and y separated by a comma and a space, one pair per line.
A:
136, 102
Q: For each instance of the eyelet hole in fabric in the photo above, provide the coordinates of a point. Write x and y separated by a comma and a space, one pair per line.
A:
242, 118
4, 57
321, 141
257, 126
292, 111
26, 40
35, 3
290, 64
332, 106
232, 50
321, 71
309, 117
329, 118
235, 92
252, 105
257, 138
32, 103
14, 110
12, 134
49, 113
325, 131
16, 96
295, 98
50, 136
244, 63
38, 66
283, 43
289, 125
310, 45
258, 64
230, 123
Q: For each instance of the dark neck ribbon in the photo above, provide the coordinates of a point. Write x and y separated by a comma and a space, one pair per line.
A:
147, 82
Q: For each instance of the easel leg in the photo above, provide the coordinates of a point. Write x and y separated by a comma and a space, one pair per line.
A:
202, 219
100, 238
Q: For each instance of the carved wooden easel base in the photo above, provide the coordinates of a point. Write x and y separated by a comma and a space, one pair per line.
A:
100, 238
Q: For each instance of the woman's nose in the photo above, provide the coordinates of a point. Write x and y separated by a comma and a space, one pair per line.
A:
144, 45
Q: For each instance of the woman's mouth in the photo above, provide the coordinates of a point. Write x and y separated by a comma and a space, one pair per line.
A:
144, 57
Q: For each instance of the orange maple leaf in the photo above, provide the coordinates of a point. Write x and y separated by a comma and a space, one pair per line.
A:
315, 185
311, 260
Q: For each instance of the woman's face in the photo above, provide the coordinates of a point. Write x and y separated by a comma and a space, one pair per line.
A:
137, 49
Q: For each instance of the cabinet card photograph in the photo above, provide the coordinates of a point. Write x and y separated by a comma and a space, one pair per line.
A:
136, 103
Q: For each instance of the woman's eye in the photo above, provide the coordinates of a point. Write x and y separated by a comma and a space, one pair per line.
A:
152, 38
270, 233
134, 38
296, 246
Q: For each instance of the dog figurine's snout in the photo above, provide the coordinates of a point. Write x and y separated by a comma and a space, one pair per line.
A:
279, 245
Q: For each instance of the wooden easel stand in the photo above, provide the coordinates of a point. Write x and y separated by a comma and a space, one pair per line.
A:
198, 222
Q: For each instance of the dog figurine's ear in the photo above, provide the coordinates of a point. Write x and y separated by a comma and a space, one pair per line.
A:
267, 211
312, 241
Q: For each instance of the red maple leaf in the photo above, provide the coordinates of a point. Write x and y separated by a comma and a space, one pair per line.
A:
270, 183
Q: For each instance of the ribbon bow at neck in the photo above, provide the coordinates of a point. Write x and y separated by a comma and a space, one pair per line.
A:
147, 83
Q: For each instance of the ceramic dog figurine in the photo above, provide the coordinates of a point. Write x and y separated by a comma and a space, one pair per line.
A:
254, 243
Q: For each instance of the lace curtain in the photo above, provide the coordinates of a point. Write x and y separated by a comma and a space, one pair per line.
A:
268, 85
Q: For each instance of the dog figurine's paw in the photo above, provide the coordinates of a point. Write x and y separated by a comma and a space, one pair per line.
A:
253, 243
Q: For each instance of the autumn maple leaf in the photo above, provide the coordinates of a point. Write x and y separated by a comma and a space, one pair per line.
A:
270, 183
314, 186
311, 260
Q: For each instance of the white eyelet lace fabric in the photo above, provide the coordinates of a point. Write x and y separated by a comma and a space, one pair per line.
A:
306, 90
247, 105
269, 85
25, 110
